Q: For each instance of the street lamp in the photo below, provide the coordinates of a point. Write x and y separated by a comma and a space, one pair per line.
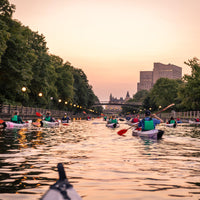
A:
59, 100
40, 94
24, 89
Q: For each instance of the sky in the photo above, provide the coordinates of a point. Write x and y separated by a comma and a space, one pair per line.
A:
113, 40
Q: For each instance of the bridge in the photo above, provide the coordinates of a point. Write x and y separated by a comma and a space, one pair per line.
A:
132, 104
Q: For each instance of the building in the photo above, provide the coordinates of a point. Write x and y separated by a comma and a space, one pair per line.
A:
166, 71
149, 78
117, 108
146, 82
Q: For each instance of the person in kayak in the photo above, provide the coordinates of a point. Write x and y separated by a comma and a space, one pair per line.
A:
16, 118
150, 121
48, 117
135, 119
172, 121
65, 118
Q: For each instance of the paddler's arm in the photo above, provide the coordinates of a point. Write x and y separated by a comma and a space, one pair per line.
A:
155, 116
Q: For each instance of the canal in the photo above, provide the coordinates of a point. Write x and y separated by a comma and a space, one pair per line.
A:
100, 164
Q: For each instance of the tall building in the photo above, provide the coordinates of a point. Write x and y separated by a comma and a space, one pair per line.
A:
149, 78
166, 71
146, 82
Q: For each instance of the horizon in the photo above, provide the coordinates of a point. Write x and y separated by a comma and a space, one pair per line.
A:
113, 41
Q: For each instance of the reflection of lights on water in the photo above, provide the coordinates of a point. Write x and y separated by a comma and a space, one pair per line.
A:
22, 140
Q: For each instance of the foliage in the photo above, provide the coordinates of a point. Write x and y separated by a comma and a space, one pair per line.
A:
25, 62
189, 92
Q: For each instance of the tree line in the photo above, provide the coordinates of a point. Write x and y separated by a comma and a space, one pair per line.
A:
185, 92
46, 80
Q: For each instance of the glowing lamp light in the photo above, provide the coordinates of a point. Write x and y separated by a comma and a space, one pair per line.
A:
40, 94
23, 89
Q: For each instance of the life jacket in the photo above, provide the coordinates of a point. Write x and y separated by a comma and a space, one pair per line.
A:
172, 121
135, 120
148, 125
114, 121
14, 119
48, 119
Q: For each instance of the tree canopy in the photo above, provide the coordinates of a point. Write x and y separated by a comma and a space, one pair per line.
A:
25, 62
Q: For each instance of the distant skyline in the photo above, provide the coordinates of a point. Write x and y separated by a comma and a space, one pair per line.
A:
113, 40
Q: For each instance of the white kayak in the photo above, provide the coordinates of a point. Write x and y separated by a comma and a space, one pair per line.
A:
49, 124
171, 125
112, 125
193, 122
152, 134
11, 125
62, 189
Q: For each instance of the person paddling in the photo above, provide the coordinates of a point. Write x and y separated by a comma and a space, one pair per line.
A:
172, 121
16, 118
48, 117
150, 121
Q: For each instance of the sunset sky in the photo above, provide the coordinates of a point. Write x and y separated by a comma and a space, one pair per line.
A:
113, 40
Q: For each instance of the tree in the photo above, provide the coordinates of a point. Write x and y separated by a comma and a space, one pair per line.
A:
164, 92
189, 92
4, 36
140, 96
16, 63
6, 9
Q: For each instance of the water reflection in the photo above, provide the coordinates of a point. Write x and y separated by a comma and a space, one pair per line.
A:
99, 163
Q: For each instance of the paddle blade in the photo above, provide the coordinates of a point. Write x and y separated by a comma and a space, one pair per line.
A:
38, 114
122, 132
1, 121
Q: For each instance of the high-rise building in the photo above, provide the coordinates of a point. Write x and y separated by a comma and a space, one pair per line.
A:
146, 82
149, 78
166, 71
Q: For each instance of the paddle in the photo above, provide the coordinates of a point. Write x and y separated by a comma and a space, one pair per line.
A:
38, 114
123, 131
1, 121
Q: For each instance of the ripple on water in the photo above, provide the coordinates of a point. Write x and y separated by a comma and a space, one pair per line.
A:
100, 163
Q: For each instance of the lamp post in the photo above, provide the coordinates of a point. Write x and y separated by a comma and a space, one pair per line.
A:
51, 99
40, 94
23, 90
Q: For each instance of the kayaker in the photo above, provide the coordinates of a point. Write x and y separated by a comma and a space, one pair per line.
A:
65, 118
172, 121
16, 118
135, 119
150, 121
48, 117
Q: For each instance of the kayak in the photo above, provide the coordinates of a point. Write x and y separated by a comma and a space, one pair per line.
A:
152, 134
171, 125
112, 125
62, 189
44, 123
193, 122
11, 125
49, 124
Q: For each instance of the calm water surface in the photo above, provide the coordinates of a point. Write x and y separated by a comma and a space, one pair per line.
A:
101, 164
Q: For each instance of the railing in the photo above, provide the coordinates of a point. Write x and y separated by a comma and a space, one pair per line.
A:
6, 112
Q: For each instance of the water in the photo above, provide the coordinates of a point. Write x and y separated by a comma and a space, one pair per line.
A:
101, 164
